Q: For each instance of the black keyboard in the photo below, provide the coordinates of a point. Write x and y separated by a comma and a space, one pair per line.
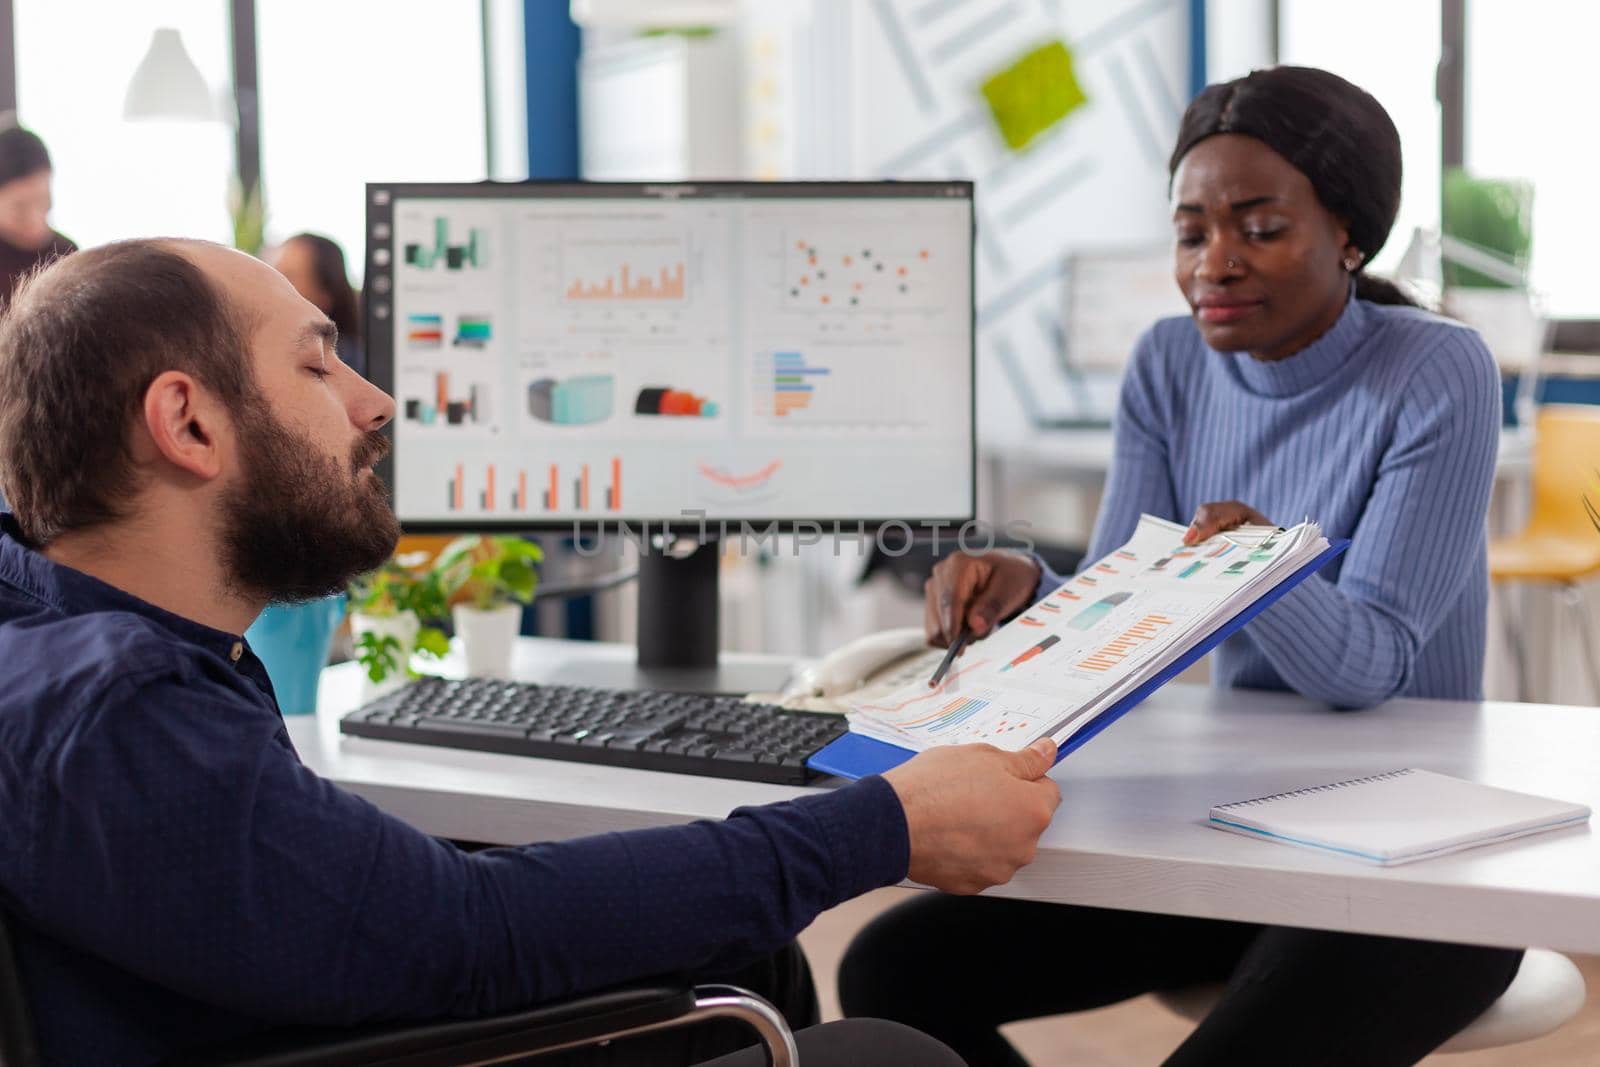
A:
722, 737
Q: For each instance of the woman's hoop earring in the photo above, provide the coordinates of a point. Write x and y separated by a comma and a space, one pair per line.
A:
1351, 263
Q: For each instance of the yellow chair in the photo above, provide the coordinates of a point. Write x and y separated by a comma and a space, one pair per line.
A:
1560, 544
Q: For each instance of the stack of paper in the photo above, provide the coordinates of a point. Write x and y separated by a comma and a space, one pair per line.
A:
1097, 638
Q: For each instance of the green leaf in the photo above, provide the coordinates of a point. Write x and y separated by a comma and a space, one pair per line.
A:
247, 207
428, 596
519, 579
431, 639
378, 653
456, 551
1495, 214
518, 549
492, 570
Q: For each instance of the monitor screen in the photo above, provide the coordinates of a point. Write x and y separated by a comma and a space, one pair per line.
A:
566, 354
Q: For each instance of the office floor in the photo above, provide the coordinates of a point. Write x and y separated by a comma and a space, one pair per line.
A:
1141, 1032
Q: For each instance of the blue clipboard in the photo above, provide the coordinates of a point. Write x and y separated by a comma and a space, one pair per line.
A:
856, 756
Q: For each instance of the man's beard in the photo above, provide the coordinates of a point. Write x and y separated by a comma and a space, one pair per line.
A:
297, 525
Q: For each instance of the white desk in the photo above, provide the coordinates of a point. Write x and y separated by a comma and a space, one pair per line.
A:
1131, 830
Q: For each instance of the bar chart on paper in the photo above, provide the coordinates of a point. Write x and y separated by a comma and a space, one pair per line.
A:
950, 714
953, 714
1110, 655
1092, 641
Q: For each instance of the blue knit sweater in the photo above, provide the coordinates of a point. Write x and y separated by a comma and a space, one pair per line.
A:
1384, 430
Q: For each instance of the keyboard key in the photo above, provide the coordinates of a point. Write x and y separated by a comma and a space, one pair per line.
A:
499, 729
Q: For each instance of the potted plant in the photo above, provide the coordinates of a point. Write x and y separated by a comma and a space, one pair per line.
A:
497, 576
394, 612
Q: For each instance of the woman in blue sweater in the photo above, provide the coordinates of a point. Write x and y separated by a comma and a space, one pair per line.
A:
1299, 386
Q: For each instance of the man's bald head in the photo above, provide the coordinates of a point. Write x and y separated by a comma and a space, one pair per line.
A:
244, 282
81, 343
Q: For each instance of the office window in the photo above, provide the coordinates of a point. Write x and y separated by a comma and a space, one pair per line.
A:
375, 90
1391, 50
1530, 96
115, 178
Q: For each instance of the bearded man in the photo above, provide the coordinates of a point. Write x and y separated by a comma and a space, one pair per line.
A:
182, 446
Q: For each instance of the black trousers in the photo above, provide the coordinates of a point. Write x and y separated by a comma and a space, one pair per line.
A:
785, 979
959, 967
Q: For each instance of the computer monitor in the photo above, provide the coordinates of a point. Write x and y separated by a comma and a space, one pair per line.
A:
706, 356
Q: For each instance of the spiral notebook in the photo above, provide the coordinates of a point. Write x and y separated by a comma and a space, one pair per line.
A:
1397, 817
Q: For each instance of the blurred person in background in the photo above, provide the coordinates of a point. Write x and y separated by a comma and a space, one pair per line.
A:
315, 266
26, 239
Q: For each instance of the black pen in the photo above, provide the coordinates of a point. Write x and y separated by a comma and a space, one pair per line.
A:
949, 657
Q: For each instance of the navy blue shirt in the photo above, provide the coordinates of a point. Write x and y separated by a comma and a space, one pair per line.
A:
176, 876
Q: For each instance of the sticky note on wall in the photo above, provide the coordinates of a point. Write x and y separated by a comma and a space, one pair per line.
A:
1033, 94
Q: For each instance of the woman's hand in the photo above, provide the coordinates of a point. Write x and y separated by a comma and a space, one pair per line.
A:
1218, 517
976, 591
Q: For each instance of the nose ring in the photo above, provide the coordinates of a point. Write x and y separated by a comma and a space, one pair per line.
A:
1232, 264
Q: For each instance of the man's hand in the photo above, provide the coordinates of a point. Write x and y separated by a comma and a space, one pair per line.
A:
1221, 516
978, 591
974, 812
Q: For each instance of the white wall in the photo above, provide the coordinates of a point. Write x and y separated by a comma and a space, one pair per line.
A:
1240, 37
913, 109
1389, 49
114, 178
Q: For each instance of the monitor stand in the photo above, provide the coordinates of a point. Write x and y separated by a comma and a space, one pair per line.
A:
678, 634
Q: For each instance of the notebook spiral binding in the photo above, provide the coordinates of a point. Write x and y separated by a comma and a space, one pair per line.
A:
1386, 776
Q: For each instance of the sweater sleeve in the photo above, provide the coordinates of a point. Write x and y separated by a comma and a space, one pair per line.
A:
230, 873
1140, 479
1354, 642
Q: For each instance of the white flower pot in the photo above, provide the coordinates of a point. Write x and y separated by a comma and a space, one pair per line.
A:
487, 638
403, 628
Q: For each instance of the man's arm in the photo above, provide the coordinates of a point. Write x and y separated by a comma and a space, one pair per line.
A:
177, 835
174, 833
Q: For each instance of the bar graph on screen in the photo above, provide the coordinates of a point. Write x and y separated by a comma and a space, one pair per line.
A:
442, 253
792, 382
864, 388
491, 488
641, 268
624, 285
